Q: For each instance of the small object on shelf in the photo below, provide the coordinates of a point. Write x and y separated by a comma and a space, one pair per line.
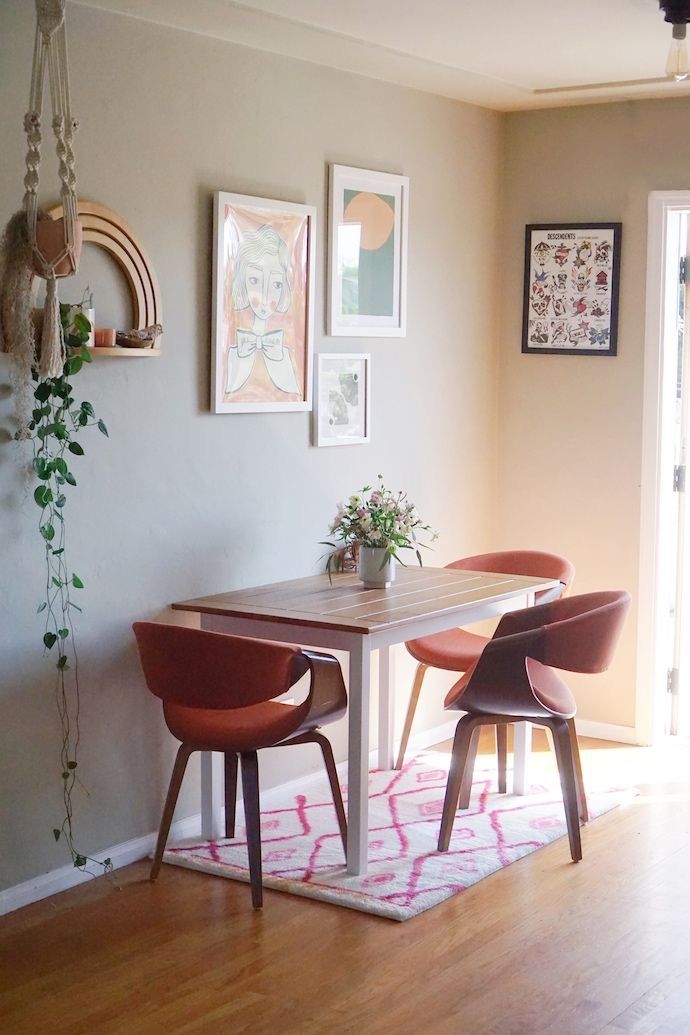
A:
105, 337
140, 338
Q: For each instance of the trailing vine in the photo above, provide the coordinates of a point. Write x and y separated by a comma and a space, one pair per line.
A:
57, 421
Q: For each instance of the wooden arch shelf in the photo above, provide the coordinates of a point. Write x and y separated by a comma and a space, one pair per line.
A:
105, 228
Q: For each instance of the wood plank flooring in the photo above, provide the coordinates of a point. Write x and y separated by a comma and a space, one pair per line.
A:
544, 946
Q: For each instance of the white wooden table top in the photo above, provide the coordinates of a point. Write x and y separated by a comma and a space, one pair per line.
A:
346, 605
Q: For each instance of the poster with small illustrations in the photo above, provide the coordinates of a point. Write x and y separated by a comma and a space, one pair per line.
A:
571, 288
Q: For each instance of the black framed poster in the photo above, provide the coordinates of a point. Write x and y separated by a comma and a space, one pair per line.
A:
572, 273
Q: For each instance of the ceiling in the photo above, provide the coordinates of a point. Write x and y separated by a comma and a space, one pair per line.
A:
508, 55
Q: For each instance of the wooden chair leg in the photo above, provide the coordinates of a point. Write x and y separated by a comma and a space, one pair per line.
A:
464, 732
566, 769
468, 771
577, 761
502, 756
409, 716
252, 819
183, 753
231, 761
329, 762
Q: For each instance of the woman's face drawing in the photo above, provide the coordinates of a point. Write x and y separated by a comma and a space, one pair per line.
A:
264, 281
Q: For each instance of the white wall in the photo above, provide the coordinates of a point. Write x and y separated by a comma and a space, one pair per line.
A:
178, 502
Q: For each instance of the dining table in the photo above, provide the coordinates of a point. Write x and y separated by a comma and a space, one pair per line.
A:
337, 612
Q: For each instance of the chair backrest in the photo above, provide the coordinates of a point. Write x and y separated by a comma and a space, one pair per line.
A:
200, 669
582, 632
535, 563
578, 634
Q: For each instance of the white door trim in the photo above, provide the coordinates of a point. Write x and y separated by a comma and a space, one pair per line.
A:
656, 459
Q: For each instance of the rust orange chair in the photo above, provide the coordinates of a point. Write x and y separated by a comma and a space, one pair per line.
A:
456, 650
218, 695
515, 680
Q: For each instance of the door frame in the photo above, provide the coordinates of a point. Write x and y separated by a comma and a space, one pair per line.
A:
657, 460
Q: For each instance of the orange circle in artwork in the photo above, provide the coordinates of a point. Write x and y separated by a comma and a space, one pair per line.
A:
374, 216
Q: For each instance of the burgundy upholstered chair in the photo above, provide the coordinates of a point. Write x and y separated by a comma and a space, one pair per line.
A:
515, 680
218, 695
456, 650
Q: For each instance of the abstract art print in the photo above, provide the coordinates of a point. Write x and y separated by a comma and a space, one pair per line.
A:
572, 274
367, 253
341, 415
263, 302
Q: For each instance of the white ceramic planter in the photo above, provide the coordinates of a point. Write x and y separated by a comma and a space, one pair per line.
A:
372, 574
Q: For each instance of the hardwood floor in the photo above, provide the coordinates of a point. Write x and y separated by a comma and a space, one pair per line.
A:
544, 946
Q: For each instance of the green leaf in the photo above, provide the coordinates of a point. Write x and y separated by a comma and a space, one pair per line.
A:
60, 465
88, 409
82, 323
57, 582
85, 354
70, 479
62, 662
75, 606
102, 428
76, 582
49, 640
48, 532
43, 495
43, 467
82, 420
74, 363
79, 860
41, 607
63, 633
56, 553
75, 447
71, 765
61, 500
43, 392
60, 432
56, 833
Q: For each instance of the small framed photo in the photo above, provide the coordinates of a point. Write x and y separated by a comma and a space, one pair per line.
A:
341, 416
572, 275
263, 304
367, 253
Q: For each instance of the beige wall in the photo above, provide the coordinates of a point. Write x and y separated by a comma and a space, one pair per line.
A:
178, 502
570, 426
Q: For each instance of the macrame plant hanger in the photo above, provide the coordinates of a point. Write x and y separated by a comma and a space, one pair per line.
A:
55, 244
33, 243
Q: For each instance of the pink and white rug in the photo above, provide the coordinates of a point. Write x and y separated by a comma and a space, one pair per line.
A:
302, 853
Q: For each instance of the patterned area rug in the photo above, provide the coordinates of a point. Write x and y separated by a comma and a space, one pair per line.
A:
302, 853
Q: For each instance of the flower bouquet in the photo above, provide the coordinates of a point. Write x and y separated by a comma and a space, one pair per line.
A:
376, 524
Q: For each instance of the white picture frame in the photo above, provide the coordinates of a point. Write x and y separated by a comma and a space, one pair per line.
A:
264, 261
342, 410
367, 249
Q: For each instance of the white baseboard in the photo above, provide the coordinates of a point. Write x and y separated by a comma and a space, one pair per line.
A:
607, 731
139, 848
68, 877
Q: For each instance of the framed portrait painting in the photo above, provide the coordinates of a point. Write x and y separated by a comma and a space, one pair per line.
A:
572, 275
342, 410
367, 253
263, 304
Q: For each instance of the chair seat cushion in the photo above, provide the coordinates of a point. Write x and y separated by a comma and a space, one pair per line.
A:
236, 729
453, 650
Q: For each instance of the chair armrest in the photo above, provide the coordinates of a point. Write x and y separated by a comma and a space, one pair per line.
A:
524, 620
327, 694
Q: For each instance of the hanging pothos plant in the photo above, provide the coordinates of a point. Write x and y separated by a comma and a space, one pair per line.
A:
57, 420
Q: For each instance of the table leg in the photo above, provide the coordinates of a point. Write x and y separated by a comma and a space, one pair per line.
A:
212, 804
522, 747
386, 706
358, 758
